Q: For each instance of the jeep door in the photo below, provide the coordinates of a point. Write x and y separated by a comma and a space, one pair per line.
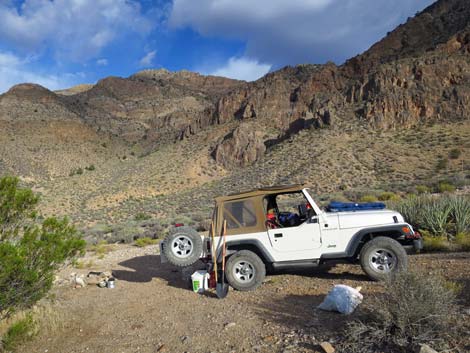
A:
289, 231
302, 238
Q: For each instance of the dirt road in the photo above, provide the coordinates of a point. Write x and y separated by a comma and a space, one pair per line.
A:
152, 310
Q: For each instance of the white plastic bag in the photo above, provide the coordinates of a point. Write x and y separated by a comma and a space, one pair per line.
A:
343, 299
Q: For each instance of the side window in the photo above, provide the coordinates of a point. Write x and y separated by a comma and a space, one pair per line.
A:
240, 214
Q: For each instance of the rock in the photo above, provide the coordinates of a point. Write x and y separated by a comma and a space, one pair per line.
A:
327, 347
241, 147
424, 348
78, 281
229, 325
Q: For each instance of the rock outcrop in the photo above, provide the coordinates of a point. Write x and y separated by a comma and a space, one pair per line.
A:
241, 147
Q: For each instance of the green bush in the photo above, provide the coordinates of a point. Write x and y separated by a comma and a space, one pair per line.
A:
19, 332
422, 189
441, 164
445, 186
415, 308
388, 196
141, 216
463, 241
29, 252
455, 153
432, 244
76, 171
145, 241
368, 198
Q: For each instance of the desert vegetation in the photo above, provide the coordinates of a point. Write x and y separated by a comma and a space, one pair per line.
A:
413, 309
443, 220
31, 251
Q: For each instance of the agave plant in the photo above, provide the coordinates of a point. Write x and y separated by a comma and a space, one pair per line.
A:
438, 215
460, 213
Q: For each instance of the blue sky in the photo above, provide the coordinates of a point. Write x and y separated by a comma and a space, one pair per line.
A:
61, 43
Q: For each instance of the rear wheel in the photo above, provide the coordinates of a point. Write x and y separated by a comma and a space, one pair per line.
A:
245, 271
182, 247
381, 257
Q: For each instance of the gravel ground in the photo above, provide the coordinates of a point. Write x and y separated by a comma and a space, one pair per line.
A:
152, 310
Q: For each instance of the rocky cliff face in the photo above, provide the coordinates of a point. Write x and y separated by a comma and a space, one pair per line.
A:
419, 72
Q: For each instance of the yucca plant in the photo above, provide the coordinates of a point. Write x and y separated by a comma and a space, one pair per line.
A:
435, 216
439, 215
460, 214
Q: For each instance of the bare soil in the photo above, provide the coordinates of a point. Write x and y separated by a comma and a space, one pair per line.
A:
152, 308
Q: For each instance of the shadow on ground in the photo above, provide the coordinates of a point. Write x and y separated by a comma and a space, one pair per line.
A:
145, 268
326, 272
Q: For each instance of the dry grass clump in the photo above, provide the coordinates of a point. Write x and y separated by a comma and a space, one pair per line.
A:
414, 309
25, 325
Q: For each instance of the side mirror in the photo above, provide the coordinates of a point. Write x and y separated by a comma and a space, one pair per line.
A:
313, 219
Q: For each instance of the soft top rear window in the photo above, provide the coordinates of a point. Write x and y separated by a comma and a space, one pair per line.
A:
239, 214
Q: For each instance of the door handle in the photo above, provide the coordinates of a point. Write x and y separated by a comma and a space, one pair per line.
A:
278, 235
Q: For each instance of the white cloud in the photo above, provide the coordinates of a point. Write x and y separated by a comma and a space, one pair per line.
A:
74, 29
147, 60
102, 62
241, 69
14, 70
292, 32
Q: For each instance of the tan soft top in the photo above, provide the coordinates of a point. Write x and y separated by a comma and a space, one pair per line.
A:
260, 192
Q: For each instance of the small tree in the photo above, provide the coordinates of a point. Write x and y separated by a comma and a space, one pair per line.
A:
29, 252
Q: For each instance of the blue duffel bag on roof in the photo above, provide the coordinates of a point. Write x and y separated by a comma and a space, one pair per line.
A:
351, 206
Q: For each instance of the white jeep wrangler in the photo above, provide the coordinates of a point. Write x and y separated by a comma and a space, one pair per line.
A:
283, 227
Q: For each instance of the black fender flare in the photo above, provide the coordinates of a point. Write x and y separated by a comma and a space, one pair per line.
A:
249, 244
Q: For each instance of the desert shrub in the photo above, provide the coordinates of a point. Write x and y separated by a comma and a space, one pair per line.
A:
388, 196
29, 252
90, 167
441, 164
422, 189
141, 216
145, 241
463, 241
415, 308
454, 153
101, 247
432, 244
445, 186
76, 171
368, 198
19, 332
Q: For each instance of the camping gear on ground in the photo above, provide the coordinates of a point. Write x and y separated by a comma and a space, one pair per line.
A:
200, 280
111, 283
342, 298
222, 286
351, 206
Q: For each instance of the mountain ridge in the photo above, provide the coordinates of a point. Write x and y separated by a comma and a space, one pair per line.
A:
157, 135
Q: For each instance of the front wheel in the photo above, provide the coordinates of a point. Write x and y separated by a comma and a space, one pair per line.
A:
381, 257
245, 271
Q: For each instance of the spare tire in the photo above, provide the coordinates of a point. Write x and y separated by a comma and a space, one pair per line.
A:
182, 247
